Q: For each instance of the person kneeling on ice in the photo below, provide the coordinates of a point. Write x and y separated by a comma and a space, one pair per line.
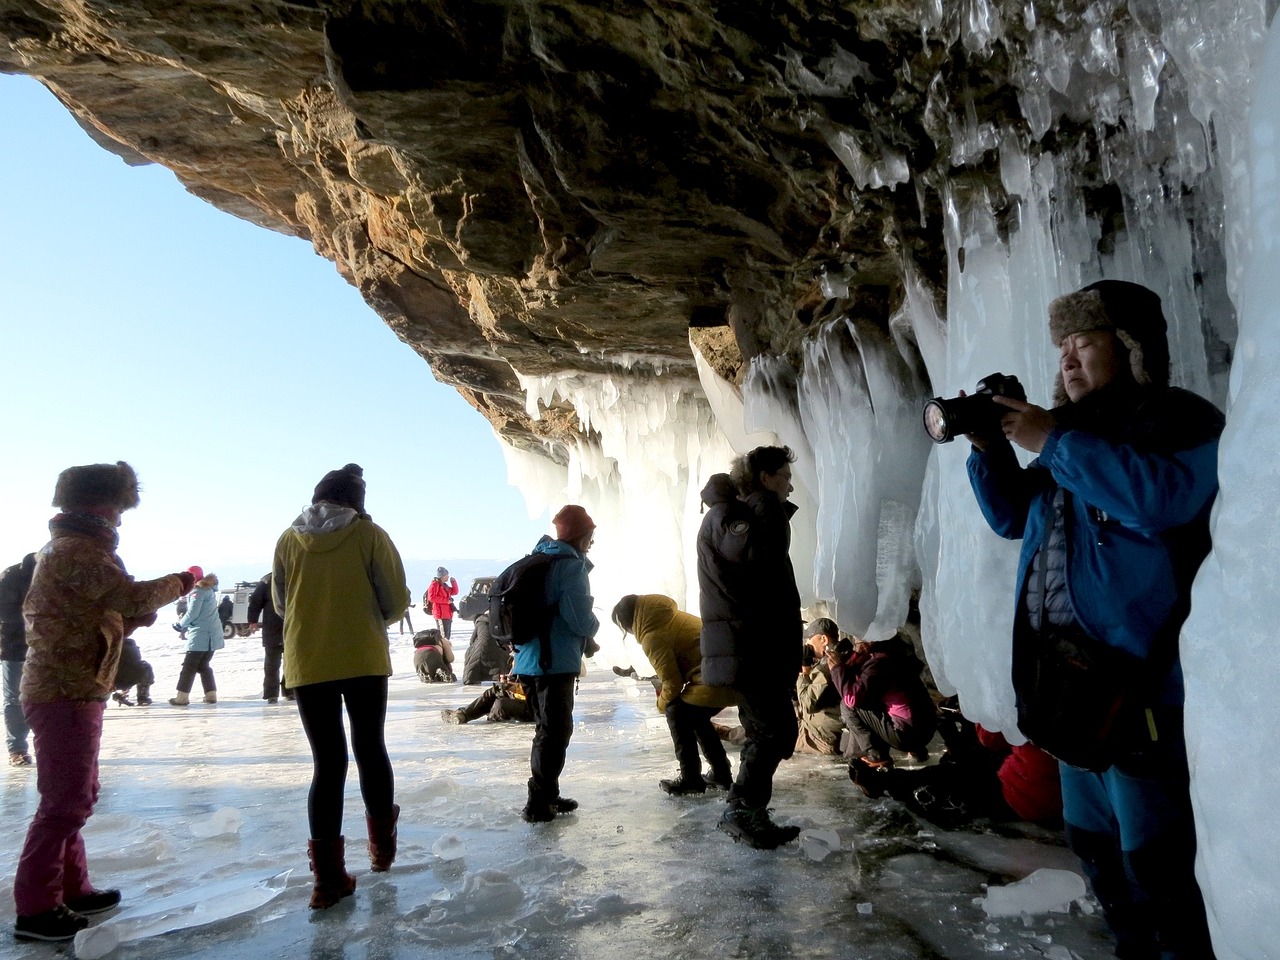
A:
670, 639
433, 657
338, 582
886, 704
80, 606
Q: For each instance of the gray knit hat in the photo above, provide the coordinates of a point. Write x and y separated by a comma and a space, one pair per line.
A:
1130, 311
97, 485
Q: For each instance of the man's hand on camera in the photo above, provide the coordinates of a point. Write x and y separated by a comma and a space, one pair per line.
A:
1025, 424
983, 441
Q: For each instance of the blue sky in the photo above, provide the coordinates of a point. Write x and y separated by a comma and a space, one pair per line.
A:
230, 365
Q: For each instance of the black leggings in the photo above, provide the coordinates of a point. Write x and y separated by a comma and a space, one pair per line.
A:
320, 707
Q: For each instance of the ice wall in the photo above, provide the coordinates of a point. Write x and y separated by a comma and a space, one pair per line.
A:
1229, 642
649, 441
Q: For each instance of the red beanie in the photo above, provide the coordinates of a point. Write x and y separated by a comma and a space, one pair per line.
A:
572, 523
196, 572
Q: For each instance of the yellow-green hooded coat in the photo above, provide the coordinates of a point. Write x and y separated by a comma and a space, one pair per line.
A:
669, 637
337, 580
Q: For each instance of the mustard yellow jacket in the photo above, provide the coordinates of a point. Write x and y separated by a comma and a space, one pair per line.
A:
337, 580
669, 638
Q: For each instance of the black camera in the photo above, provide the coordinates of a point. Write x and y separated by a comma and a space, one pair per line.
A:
944, 420
809, 657
844, 649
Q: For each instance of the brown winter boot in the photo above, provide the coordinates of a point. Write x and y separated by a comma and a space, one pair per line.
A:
329, 867
382, 839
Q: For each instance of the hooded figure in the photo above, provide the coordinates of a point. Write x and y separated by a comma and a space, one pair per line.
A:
338, 581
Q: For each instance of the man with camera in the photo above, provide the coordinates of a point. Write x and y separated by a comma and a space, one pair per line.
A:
1113, 518
817, 700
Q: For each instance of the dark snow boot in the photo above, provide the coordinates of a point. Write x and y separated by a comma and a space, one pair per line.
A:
329, 867
144, 695
719, 779
751, 825
685, 784
382, 839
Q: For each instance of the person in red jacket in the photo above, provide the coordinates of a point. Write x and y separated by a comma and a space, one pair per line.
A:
440, 598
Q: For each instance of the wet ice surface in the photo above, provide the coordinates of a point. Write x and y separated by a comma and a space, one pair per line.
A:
633, 873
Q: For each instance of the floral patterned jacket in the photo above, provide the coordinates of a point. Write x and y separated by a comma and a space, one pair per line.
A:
80, 606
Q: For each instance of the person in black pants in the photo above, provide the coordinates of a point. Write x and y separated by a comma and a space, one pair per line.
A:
261, 608
549, 664
751, 627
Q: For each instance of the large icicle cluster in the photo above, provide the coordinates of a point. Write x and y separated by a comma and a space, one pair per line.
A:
648, 443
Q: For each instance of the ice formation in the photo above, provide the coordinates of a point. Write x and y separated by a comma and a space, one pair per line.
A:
1164, 88
1044, 891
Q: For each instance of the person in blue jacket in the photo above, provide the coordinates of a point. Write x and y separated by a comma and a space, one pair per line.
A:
570, 637
1113, 518
204, 636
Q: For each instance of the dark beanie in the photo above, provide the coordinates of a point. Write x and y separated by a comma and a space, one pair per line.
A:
344, 487
97, 485
572, 523
1129, 310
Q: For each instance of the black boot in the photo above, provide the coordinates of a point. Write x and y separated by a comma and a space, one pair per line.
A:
144, 695
753, 826
684, 785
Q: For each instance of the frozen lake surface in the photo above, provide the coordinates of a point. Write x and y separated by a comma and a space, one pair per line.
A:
634, 873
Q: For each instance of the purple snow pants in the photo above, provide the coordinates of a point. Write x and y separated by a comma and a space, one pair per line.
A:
52, 868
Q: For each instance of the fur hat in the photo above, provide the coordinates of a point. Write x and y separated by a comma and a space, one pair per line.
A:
1130, 311
97, 485
344, 487
572, 523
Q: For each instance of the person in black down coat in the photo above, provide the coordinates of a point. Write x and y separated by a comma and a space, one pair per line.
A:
751, 626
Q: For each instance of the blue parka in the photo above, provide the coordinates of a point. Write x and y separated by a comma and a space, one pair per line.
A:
203, 626
573, 624
1139, 466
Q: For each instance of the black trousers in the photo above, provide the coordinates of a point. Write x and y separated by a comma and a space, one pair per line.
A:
196, 663
691, 728
551, 699
272, 673
872, 733
770, 723
497, 704
320, 707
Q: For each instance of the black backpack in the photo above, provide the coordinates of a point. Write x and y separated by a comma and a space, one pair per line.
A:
518, 609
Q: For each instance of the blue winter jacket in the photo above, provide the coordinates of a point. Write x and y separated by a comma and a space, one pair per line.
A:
1140, 468
203, 626
573, 623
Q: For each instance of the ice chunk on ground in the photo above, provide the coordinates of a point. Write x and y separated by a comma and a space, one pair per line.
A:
225, 822
449, 847
817, 845
193, 907
1044, 891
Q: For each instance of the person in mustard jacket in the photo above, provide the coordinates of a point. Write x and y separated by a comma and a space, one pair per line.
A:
670, 639
338, 581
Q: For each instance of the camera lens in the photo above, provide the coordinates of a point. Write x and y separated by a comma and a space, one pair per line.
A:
936, 423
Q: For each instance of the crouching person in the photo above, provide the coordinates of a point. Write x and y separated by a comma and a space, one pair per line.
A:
80, 606
886, 704
670, 639
337, 580
433, 657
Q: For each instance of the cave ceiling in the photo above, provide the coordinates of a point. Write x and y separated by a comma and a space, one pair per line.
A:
535, 187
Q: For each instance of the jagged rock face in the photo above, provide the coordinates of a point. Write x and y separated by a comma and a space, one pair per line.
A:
533, 187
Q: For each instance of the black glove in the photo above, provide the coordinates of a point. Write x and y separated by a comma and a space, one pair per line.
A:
592, 648
177, 627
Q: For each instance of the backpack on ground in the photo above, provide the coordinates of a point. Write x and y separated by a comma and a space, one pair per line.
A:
518, 609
